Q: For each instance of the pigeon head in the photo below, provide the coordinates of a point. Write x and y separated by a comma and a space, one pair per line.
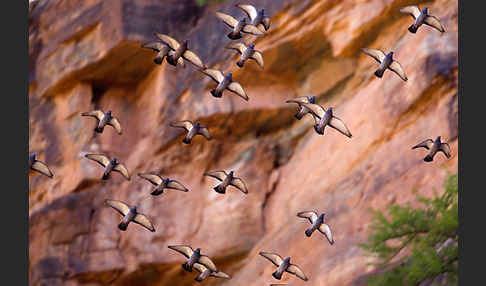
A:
134, 209
312, 99
321, 217
198, 251
243, 20
109, 112
197, 124
330, 110
390, 54
230, 75
115, 160
262, 12
287, 260
231, 173
252, 45
425, 10
437, 139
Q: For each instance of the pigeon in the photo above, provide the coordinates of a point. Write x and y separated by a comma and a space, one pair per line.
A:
194, 256
180, 51
192, 129
317, 223
129, 215
162, 183
39, 166
421, 17
386, 62
205, 272
323, 118
162, 51
225, 82
434, 147
284, 265
256, 17
247, 52
104, 119
238, 26
227, 180
299, 100
109, 165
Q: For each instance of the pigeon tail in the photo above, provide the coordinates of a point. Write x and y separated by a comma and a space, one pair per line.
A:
216, 94
171, 61
219, 189
157, 192
105, 176
412, 29
240, 63
122, 226
309, 232
98, 129
277, 275
186, 140
428, 158
320, 132
234, 36
187, 267
299, 115
198, 279
379, 73
158, 60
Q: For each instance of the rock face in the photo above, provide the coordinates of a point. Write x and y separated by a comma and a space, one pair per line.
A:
85, 54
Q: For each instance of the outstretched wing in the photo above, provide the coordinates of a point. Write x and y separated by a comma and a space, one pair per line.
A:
199, 267
299, 100
249, 10
176, 185
220, 274
169, 41
294, 269
227, 19
98, 114
253, 30
216, 75
326, 230
156, 46
206, 261
220, 175
273, 257
378, 55
434, 22
446, 149
266, 23
413, 11
153, 178
238, 89
120, 168
315, 109
119, 206
100, 158
42, 168
427, 144
257, 56
185, 250
339, 125
396, 67
191, 57
204, 131
186, 124
116, 124
310, 215
240, 47
239, 184
144, 221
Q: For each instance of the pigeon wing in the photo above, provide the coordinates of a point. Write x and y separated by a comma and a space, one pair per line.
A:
396, 67
208, 263
171, 42
240, 47
326, 230
238, 89
42, 168
186, 124
294, 269
315, 109
239, 184
257, 56
144, 221
266, 23
199, 267
299, 100
227, 19
185, 250
220, 175
249, 10
176, 185
116, 124
413, 11
378, 55
156, 46
100, 158
216, 75
119, 206
193, 59
434, 22
120, 168
310, 215
98, 114
446, 149
252, 29
427, 144
153, 178
273, 257
339, 125
204, 131
220, 274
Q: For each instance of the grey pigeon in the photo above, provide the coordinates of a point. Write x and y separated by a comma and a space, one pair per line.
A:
324, 117
225, 82
256, 17
205, 272
192, 129
434, 147
238, 27
39, 166
129, 215
104, 119
299, 100
227, 180
162, 51
109, 165
181, 51
161, 183
247, 52
386, 62
193, 256
283, 265
422, 17
317, 223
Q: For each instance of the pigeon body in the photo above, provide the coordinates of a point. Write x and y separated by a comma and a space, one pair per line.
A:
205, 272
283, 265
180, 52
224, 82
192, 129
257, 17
317, 224
193, 257
238, 27
162, 183
39, 166
227, 180
420, 18
104, 119
130, 215
247, 52
434, 147
299, 100
325, 118
386, 62
109, 165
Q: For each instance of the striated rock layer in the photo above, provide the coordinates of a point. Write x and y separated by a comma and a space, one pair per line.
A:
86, 54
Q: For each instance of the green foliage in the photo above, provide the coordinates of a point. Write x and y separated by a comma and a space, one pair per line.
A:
204, 2
426, 237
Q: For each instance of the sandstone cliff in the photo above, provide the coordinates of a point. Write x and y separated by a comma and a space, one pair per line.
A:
86, 54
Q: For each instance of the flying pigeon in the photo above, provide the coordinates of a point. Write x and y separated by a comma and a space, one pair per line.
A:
227, 180
194, 256
283, 265
317, 223
39, 166
192, 129
129, 215
422, 17
247, 52
180, 50
256, 17
162, 51
386, 62
323, 118
205, 272
238, 26
161, 183
434, 147
104, 119
299, 100
109, 165
225, 82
